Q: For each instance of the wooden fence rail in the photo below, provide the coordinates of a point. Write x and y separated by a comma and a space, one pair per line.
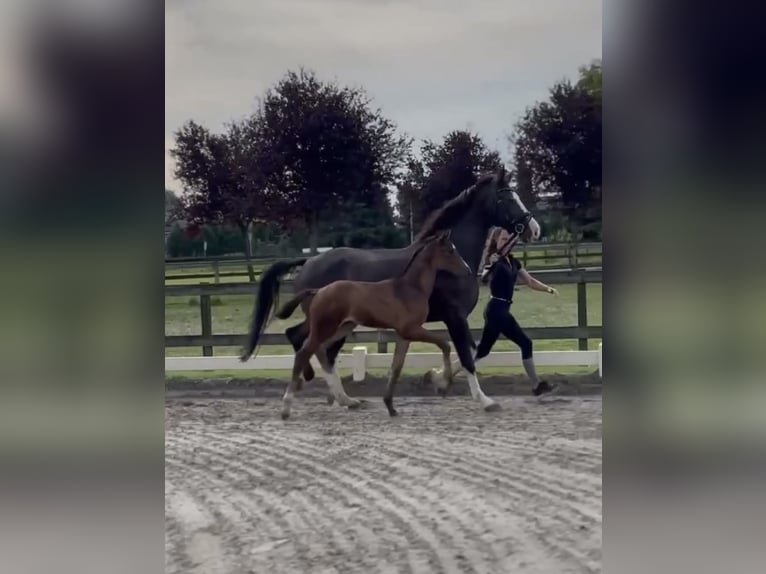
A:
538, 252
207, 340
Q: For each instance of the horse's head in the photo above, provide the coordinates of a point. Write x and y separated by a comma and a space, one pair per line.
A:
445, 256
505, 209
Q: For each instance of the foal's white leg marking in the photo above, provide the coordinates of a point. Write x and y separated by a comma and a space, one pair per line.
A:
477, 393
336, 388
287, 401
331, 377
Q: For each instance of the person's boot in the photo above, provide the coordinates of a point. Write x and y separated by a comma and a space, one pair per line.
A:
543, 388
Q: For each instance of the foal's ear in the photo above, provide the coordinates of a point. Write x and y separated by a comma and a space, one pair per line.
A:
500, 175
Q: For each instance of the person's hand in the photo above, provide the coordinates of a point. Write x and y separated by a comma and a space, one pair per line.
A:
553, 291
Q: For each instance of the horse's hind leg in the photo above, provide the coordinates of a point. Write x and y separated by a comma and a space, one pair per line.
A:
400, 352
297, 335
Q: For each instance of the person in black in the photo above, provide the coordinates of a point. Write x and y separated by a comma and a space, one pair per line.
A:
503, 273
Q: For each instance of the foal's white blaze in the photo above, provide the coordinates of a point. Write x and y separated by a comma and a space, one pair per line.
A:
534, 227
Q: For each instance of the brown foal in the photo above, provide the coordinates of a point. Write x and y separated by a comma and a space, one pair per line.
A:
400, 304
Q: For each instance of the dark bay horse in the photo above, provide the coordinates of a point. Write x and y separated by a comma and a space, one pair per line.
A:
400, 304
488, 203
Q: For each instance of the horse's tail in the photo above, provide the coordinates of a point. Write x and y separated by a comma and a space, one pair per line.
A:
267, 297
289, 307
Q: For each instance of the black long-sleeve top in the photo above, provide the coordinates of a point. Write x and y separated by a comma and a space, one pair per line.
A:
502, 276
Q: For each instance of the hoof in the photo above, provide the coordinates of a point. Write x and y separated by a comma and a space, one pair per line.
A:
442, 393
493, 407
330, 400
436, 378
356, 405
285, 416
393, 413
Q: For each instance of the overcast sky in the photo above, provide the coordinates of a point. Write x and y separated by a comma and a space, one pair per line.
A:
431, 65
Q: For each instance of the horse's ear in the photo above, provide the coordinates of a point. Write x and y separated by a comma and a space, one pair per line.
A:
500, 175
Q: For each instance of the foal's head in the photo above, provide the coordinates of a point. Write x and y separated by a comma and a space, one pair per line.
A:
441, 253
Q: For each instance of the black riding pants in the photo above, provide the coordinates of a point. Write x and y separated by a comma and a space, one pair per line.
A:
499, 321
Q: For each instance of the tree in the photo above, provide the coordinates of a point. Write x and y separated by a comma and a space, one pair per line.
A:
408, 192
222, 181
591, 80
323, 146
557, 147
451, 167
173, 207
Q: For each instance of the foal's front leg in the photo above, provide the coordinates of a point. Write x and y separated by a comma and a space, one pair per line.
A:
408, 334
400, 352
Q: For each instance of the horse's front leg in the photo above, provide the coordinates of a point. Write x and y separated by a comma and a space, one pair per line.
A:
460, 333
443, 378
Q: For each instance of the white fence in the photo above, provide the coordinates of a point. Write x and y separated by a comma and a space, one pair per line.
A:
359, 360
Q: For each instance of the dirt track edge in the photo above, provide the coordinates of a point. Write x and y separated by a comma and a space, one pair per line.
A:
374, 386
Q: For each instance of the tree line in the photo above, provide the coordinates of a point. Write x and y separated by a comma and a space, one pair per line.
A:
318, 164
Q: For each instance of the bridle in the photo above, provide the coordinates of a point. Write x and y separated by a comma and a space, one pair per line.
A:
518, 225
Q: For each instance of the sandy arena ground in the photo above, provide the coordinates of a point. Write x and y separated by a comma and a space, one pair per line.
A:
442, 488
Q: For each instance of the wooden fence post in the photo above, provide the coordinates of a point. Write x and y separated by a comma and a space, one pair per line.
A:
206, 318
582, 311
382, 345
215, 270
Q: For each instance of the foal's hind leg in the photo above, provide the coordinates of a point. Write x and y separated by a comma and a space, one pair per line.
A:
332, 353
334, 382
297, 335
328, 365
400, 352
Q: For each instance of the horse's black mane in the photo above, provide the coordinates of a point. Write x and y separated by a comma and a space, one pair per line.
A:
452, 211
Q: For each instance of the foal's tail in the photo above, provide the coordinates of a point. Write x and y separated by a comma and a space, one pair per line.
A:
268, 295
289, 307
